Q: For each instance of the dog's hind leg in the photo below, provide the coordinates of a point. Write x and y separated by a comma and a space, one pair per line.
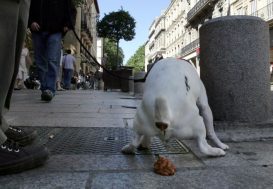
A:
205, 112
207, 149
202, 142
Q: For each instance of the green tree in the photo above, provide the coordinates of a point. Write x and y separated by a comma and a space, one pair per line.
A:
137, 61
116, 26
110, 50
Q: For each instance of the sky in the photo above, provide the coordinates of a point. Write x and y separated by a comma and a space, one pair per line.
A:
143, 11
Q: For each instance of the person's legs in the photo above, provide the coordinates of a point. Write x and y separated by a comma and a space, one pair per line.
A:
67, 81
69, 77
13, 158
47, 50
17, 83
13, 17
54, 43
9, 11
59, 79
39, 44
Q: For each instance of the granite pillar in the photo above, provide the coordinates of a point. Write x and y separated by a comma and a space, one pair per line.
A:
234, 63
139, 86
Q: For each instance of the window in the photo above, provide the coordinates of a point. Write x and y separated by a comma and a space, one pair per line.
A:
253, 6
270, 8
239, 11
245, 10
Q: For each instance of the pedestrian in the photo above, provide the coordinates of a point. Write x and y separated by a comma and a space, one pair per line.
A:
91, 79
69, 65
97, 77
22, 75
16, 155
60, 74
158, 57
49, 21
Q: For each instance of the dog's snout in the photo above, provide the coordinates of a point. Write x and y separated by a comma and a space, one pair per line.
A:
162, 126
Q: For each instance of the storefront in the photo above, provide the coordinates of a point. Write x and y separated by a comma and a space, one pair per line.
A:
193, 57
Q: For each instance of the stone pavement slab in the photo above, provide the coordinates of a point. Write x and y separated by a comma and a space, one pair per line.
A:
193, 178
45, 180
82, 108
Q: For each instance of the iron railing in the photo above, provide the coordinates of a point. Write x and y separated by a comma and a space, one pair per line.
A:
265, 13
190, 47
197, 7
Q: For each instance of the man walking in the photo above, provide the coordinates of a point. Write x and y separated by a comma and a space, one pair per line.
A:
49, 20
69, 65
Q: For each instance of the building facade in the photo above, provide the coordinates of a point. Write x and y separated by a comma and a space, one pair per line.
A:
85, 28
150, 50
183, 18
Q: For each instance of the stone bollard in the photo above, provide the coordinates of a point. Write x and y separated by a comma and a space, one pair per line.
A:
234, 63
139, 86
100, 84
131, 85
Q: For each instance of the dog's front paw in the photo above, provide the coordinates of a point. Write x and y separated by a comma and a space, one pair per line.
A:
223, 146
128, 149
219, 152
216, 152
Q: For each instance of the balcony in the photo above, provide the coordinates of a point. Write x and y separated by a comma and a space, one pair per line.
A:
265, 13
151, 45
151, 34
202, 10
190, 47
159, 32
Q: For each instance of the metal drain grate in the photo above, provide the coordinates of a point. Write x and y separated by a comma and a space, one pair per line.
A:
99, 140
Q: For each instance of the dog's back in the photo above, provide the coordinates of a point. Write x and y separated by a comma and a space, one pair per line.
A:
174, 80
171, 85
172, 76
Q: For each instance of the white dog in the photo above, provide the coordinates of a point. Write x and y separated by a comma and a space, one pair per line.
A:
174, 104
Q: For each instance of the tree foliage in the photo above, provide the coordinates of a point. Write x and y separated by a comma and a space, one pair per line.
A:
116, 26
110, 50
137, 61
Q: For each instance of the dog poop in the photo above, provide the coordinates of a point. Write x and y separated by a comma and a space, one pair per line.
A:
164, 167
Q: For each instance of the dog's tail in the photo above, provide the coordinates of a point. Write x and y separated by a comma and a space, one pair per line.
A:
162, 113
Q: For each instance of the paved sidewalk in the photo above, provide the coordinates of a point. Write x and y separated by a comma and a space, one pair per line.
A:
107, 117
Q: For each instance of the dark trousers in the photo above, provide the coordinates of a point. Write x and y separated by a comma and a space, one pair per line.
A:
68, 73
13, 24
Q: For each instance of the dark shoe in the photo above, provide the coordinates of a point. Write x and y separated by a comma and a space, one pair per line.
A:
15, 159
47, 95
23, 137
